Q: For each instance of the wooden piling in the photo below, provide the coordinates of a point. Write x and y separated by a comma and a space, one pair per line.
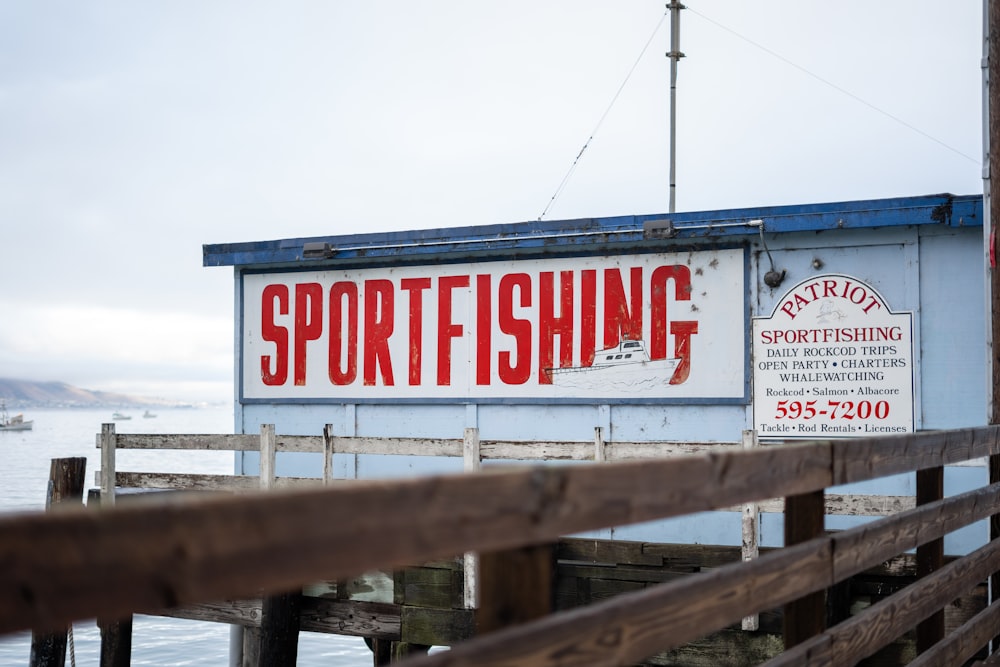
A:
66, 482
279, 632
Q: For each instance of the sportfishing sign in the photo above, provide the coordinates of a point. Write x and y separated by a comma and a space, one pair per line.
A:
832, 361
657, 326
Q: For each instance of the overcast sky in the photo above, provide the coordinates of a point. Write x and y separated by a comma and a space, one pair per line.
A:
132, 133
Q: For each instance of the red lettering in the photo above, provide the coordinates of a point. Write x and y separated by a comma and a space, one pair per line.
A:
519, 371
550, 325
621, 319
416, 286
379, 300
274, 333
308, 324
446, 328
681, 276
343, 294
484, 329
588, 316
682, 332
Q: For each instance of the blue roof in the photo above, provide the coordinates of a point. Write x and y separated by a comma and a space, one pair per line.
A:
599, 234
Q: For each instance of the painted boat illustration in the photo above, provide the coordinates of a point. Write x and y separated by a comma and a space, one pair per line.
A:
625, 366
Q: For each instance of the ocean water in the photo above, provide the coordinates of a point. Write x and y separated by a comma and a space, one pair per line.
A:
27, 457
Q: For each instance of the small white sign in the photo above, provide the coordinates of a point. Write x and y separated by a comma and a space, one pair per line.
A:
832, 361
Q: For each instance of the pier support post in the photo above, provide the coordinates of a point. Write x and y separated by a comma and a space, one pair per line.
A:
279, 629
66, 482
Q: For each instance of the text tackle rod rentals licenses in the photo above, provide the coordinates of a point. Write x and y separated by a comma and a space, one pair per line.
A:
647, 327
832, 361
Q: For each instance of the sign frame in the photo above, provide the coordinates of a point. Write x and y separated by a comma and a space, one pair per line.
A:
833, 360
736, 256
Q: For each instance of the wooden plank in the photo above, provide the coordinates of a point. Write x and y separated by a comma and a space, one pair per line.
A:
860, 548
606, 551
842, 504
871, 458
430, 587
428, 626
216, 548
867, 459
630, 451
200, 482
344, 617
400, 446
492, 449
207, 442
624, 573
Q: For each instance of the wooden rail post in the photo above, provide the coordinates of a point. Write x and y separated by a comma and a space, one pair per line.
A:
992, 203
751, 520
472, 457
599, 446
66, 482
116, 634
280, 614
329, 448
930, 556
805, 617
515, 586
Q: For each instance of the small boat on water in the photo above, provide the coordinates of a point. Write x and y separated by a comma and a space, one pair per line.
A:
15, 423
148, 415
118, 416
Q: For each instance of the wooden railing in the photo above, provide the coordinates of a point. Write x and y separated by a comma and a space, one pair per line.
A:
73, 565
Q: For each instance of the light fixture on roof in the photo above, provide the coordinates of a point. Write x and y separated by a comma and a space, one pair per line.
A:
317, 250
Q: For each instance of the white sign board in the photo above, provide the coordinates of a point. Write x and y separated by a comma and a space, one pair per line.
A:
832, 361
653, 326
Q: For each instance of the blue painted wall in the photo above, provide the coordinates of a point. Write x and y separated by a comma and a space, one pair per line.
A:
923, 254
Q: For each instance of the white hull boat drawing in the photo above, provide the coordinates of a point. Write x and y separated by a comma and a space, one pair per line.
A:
625, 366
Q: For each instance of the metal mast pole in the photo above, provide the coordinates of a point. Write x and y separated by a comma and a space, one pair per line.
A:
674, 55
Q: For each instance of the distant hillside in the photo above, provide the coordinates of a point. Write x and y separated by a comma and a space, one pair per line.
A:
27, 393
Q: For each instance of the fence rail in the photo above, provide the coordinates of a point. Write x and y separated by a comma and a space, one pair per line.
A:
61, 567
